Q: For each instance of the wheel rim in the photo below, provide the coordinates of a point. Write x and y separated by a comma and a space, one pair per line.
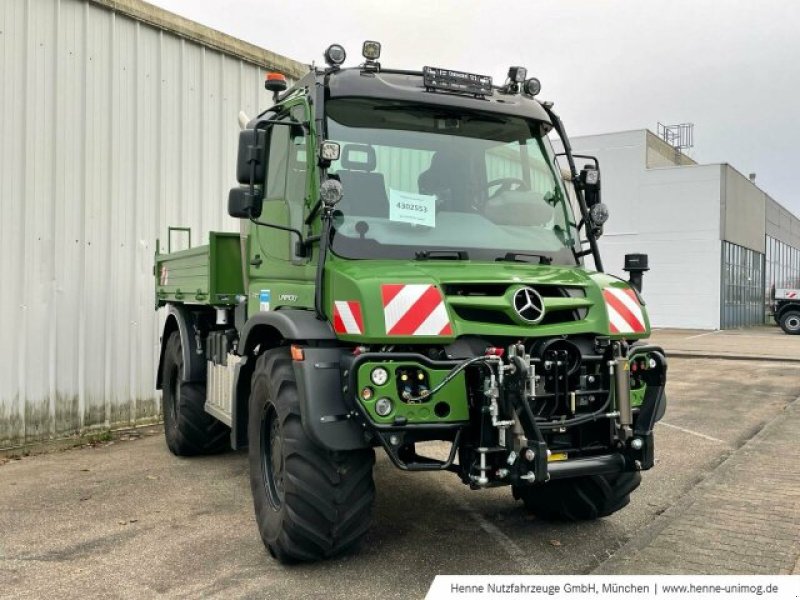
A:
273, 464
793, 323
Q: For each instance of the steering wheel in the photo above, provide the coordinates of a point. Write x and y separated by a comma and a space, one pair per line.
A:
507, 184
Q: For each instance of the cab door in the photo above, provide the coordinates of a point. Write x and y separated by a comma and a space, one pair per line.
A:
280, 275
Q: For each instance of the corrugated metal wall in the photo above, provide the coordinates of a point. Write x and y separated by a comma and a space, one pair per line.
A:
110, 130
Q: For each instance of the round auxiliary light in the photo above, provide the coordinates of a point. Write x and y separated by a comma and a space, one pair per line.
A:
383, 407
367, 393
330, 192
335, 55
371, 50
598, 214
533, 86
379, 376
637, 443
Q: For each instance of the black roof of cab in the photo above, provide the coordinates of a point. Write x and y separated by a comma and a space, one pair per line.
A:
408, 86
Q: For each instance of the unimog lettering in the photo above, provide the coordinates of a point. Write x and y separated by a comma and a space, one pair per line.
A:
411, 266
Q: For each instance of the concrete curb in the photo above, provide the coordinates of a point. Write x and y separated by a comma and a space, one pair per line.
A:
646, 536
716, 355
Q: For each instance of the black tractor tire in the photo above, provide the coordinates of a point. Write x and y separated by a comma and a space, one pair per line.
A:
579, 498
310, 503
188, 428
790, 322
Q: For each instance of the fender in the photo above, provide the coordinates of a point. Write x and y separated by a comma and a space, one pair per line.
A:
288, 324
318, 377
185, 322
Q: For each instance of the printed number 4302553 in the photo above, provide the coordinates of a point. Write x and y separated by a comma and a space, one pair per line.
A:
409, 206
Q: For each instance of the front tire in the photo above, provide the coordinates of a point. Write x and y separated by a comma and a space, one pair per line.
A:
189, 430
579, 498
790, 322
310, 503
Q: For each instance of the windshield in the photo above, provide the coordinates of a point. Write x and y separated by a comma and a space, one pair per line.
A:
423, 179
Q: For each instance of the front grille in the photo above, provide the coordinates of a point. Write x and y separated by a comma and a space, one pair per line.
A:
465, 301
483, 315
474, 289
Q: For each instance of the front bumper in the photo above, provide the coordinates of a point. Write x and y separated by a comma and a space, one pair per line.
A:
406, 425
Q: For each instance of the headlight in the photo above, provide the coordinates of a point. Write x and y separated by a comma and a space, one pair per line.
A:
379, 376
383, 407
330, 192
598, 214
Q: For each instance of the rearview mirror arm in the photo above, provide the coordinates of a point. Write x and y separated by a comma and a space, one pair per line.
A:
559, 127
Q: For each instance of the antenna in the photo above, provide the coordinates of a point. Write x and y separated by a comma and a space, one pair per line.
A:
680, 136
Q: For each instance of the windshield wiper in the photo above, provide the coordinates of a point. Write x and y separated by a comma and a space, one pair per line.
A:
518, 257
442, 254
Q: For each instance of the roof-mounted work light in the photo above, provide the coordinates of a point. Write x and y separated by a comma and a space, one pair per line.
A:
532, 86
371, 50
517, 74
335, 55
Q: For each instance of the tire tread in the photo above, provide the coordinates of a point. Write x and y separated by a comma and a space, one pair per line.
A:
328, 496
581, 498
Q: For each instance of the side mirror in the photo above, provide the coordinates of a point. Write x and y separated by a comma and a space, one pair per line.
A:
251, 162
244, 205
590, 182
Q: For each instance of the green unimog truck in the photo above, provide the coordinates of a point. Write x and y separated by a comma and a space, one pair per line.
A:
409, 269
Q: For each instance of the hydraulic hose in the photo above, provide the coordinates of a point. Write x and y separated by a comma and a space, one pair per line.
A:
449, 377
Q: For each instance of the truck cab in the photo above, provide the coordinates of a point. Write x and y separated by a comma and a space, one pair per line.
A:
410, 270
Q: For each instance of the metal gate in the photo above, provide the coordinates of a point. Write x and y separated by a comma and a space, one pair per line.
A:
742, 287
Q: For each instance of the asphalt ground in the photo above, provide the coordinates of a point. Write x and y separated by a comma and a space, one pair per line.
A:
128, 519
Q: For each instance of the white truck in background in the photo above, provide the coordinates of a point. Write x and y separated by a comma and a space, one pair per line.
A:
786, 310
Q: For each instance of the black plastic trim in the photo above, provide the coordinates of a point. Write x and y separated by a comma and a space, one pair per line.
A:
292, 324
324, 412
194, 364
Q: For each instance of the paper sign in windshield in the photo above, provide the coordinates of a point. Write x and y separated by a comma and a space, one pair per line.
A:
407, 207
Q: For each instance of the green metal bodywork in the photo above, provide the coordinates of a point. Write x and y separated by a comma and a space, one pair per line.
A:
361, 281
210, 274
453, 395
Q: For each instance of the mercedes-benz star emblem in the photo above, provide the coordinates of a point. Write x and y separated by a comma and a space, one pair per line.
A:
529, 304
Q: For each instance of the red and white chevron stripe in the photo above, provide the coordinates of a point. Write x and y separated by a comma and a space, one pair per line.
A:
347, 317
414, 309
624, 312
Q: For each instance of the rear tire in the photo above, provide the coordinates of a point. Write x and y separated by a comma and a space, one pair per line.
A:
580, 498
790, 322
188, 428
310, 503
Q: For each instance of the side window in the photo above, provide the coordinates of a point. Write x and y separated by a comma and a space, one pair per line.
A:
287, 172
278, 162
287, 169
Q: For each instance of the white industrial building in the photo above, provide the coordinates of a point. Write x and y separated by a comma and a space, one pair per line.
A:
717, 243
119, 119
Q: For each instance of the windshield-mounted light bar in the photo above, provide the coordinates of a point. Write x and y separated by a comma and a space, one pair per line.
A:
436, 79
